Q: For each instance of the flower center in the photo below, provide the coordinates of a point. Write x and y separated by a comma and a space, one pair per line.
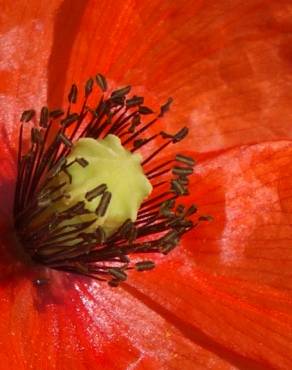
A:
111, 186
80, 198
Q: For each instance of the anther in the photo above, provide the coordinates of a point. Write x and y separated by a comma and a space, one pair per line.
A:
103, 204
120, 93
82, 162
92, 194
165, 107
134, 101
144, 265
88, 87
101, 82
70, 119
178, 188
72, 97
184, 159
65, 140
56, 113
118, 274
44, 119
27, 115
182, 171
145, 110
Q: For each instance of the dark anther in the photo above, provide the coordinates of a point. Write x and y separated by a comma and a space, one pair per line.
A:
125, 229
205, 218
165, 135
121, 92
168, 248
192, 209
182, 171
92, 194
145, 110
118, 274
170, 237
56, 113
165, 107
183, 180
134, 101
100, 235
135, 122
117, 101
144, 265
103, 204
44, 119
27, 115
72, 97
178, 188
166, 208
57, 167
180, 135
184, 159
82, 162
88, 87
77, 209
70, 119
65, 140
101, 81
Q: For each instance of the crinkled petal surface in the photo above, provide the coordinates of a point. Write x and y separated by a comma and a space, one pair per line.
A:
226, 63
234, 279
223, 299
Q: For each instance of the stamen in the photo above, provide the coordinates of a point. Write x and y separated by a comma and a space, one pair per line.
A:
184, 159
100, 189
144, 265
27, 115
103, 204
182, 171
101, 81
88, 87
44, 119
72, 97
71, 238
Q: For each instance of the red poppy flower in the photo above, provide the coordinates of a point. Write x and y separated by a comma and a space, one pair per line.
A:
223, 298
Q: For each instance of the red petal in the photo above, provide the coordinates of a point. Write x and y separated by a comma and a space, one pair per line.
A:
247, 191
74, 325
26, 33
227, 64
231, 281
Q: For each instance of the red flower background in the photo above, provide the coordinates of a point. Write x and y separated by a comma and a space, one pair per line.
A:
222, 300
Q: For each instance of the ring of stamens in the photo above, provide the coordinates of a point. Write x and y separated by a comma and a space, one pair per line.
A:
161, 220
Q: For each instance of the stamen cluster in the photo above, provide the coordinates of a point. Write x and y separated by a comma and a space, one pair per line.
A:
70, 246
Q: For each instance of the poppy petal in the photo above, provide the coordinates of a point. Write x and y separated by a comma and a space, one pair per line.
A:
227, 64
231, 280
26, 33
89, 326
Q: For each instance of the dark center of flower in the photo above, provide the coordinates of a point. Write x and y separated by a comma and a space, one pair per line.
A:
63, 231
